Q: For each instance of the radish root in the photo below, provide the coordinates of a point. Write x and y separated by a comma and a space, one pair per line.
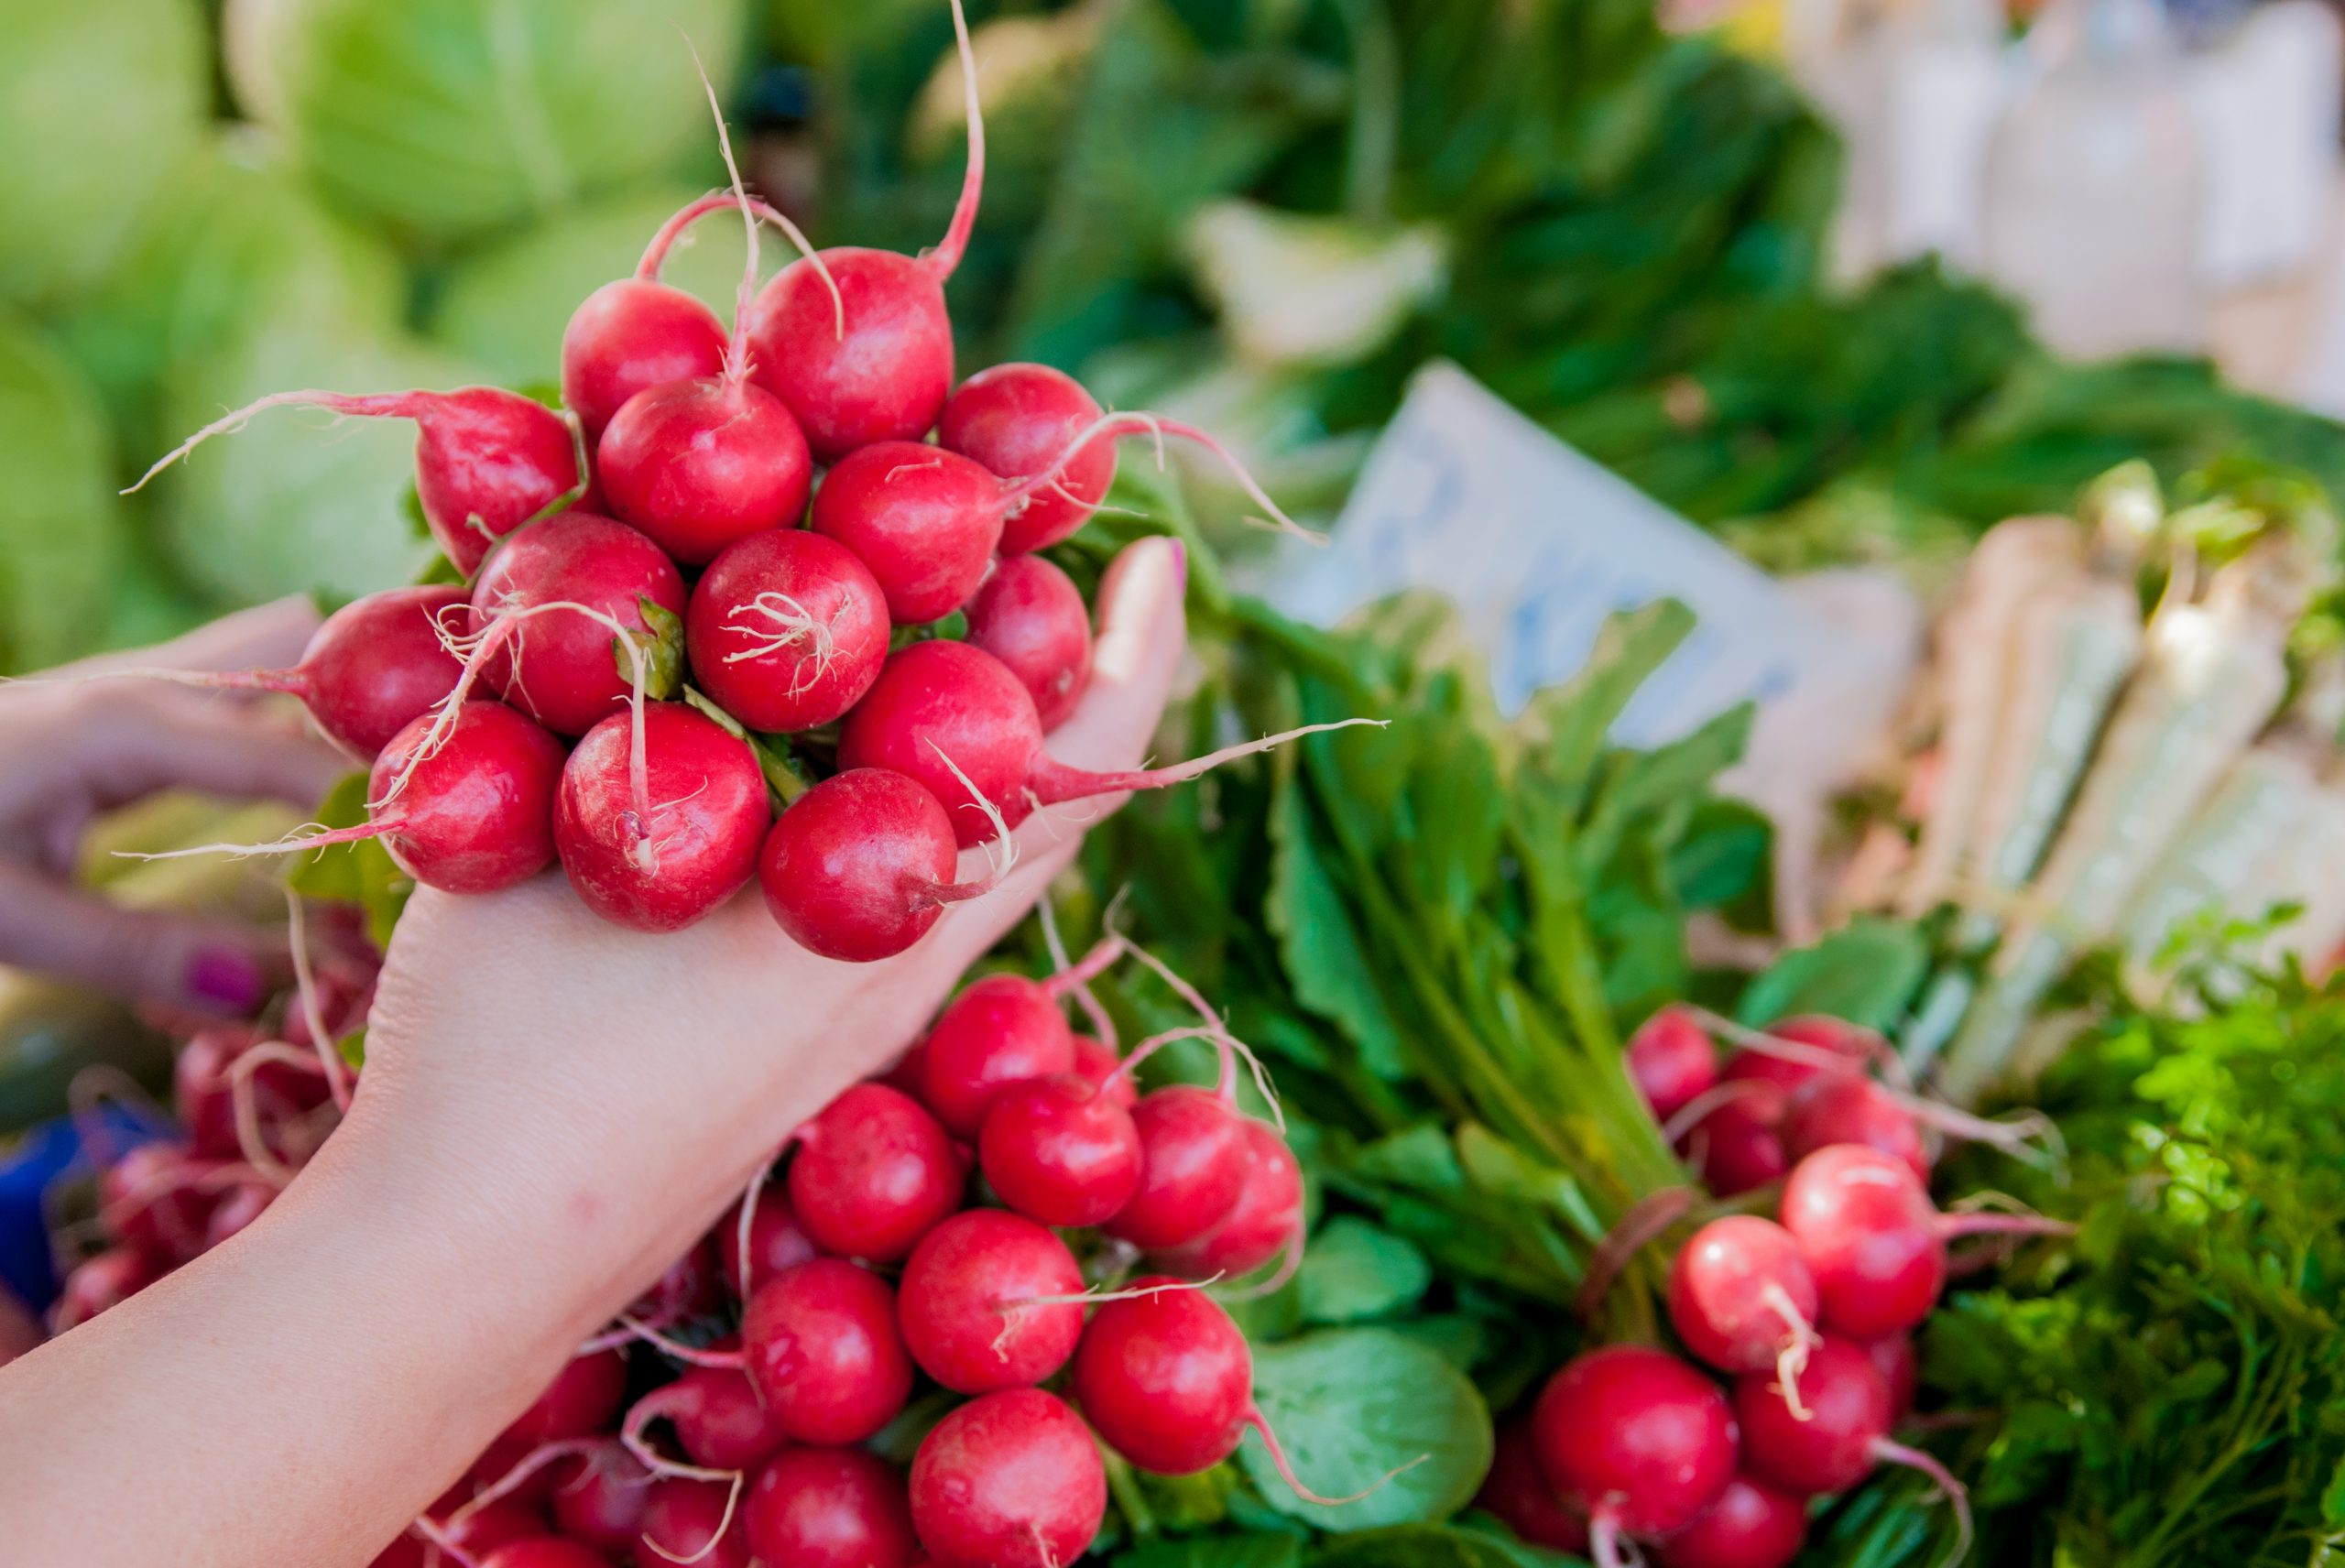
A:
1109, 427
946, 257
376, 404
1286, 1472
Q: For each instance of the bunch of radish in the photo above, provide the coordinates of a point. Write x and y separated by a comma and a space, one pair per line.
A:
762, 601
1798, 1359
871, 1262
254, 1101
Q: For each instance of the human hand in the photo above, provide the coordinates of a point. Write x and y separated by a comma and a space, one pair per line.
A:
76, 749
624, 1085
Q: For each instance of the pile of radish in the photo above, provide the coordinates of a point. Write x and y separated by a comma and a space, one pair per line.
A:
1798, 1362
762, 602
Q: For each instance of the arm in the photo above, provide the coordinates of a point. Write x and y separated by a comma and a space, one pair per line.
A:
552, 1109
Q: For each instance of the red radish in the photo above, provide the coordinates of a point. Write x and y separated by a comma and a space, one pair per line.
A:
1893, 1358
1192, 1166
821, 1343
686, 1287
1733, 1147
719, 1420
486, 460
1030, 615
954, 718
102, 1282
1096, 1061
492, 1525
1752, 1525
1741, 1298
775, 1241
990, 1300
1003, 1029
152, 1200
787, 630
861, 865
404, 1551
925, 520
869, 359
699, 463
1843, 1433
371, 668
830, 1507
655, 843
581, 1400
1518, 1494
1017, 420
545, 1551
1057, 1149
639, 332
236, 1210
1671, 1061
204, 1093
1639, 1440
1871, 1238
1009, 1480
563, 669
1795, 1050
873, 1174
1834, 1107
687, 1520
1266, 1219
599, 1498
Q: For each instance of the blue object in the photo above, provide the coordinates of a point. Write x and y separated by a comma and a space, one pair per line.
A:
53, 1151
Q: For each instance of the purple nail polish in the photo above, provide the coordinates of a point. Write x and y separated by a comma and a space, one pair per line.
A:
227, 978
1180, 563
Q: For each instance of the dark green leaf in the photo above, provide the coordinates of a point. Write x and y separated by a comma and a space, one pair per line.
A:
1353, 1271
1865, 972
1216, 1552
360, 873
1460, 1545
1317, 940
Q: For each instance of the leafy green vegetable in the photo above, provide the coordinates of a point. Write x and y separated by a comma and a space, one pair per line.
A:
443, 119
97, 103
60, 524
1354, 1271
1352, 1406
360, 873
1866, 971
1456, 1545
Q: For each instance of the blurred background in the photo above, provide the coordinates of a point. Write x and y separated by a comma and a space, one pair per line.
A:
1842, 280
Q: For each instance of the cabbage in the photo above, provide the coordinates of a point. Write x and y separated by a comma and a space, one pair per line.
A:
98, 101
445, 119
236, 238
504, 308
297, 502
62, 526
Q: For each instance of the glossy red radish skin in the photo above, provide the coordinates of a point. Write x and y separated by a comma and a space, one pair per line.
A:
698, 464
1266, 1220
1834, 1446
1008, 1480
1672, 1062
821, 1344
1103, 1068
923, 519
686, 1287
1058, 1151
1639, 1440
874, 1174
476, 815
990, 1300
786, 630
563, 668
1000, 1030
1192, 1166
1849, 1108
486, 460
885, 379
860, 866
1016, 419
581, 1400
150, 1201
1519, 1495
719, 1420
1752, 1525
1030, 615
1740, 1296
1870, 1237
830, 1507
680, 1521
628, 336
1734, 1148
1166, 1378
544, 1552
776, 1240
663, 870
599, 1498
1893, 1358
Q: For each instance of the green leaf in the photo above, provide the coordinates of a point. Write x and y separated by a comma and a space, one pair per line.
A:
1434, 1546
1324, 956
353, 1048
2332, 1500
1567, 724
1864, 973
360, 873
663, 659
1216, 1552
1352, 1271
1352, 1407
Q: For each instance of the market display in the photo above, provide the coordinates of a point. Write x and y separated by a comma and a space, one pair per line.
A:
1426, 1155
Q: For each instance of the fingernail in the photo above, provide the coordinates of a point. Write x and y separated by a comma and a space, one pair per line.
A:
1181, 563
227, 978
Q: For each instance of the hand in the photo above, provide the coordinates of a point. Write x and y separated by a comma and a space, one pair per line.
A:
77, 749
